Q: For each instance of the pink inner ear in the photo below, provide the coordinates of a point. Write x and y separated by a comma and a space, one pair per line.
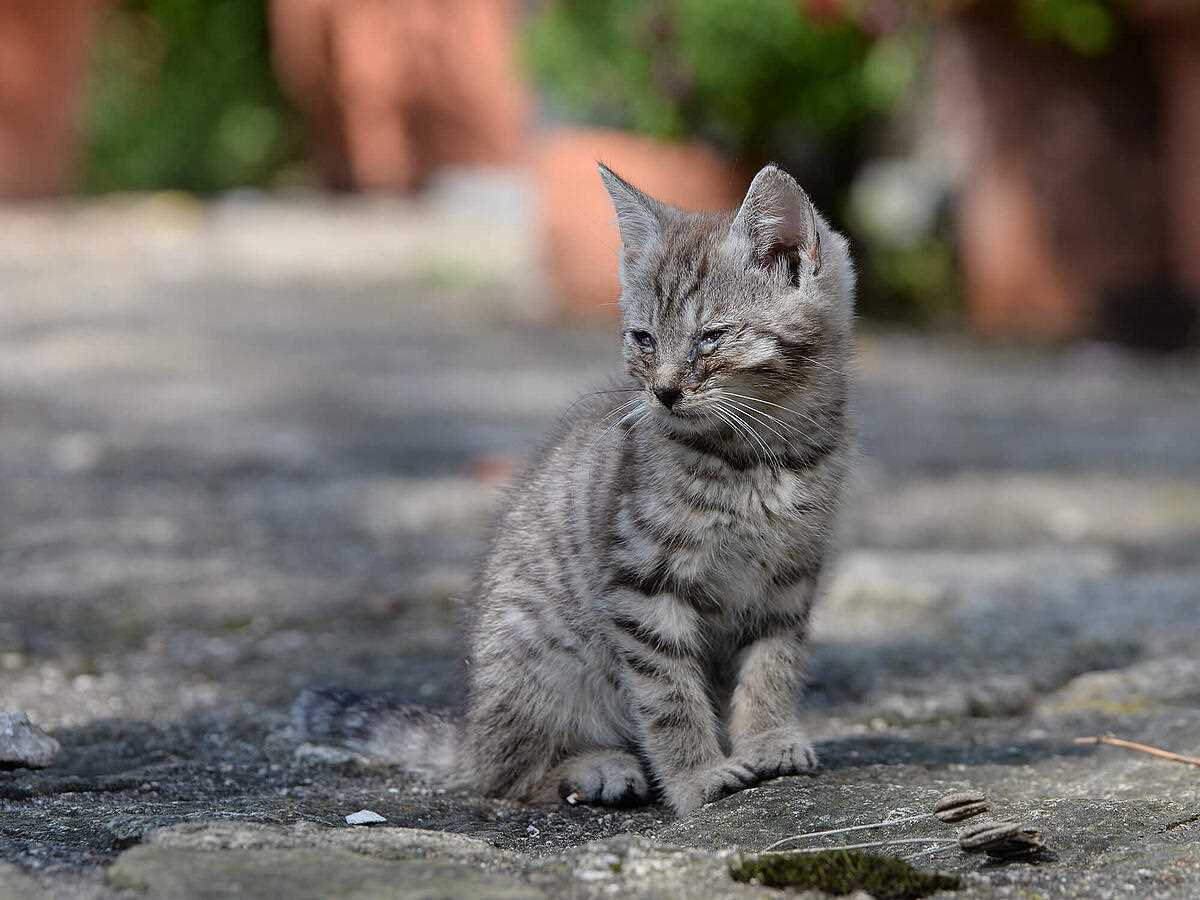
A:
814, 252
777, 214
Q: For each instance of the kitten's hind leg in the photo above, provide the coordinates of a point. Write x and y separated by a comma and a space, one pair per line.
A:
603, 778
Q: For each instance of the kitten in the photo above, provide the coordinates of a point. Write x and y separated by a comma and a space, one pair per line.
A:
643, 611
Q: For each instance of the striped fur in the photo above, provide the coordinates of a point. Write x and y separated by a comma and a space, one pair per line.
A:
641, 618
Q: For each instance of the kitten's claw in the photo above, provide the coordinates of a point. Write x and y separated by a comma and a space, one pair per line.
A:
605, 778
783, 751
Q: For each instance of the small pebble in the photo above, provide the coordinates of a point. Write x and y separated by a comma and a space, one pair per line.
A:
365, 817
23, 744
532, 831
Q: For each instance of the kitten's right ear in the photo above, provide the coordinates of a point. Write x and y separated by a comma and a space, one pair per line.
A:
639, 217
778, 220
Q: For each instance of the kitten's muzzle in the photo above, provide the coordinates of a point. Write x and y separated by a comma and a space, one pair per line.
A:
668, 396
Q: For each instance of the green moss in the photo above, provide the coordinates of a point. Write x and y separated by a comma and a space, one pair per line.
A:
842, 872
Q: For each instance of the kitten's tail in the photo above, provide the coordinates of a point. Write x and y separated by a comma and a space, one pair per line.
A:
378, 725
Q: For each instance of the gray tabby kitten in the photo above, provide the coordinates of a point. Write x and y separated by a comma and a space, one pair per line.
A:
643, 610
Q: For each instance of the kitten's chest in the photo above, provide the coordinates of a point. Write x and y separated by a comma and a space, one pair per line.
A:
744, 506
737, 533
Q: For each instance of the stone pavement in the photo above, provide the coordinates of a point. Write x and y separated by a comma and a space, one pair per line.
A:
252, 447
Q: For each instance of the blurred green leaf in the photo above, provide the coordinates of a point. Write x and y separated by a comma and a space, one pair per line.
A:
1088, 27
182, 96
890, 69
743, 74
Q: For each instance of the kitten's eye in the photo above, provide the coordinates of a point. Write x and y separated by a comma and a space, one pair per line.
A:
709, 340
644, 340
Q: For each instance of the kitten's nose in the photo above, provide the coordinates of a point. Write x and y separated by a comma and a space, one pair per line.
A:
668, 395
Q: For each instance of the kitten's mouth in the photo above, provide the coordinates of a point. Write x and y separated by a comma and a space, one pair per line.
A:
679, 410
689, 419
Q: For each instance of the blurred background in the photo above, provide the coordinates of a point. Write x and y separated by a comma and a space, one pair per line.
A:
287, 289
1027, 169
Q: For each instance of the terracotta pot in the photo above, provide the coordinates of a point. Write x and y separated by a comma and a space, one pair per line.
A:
1081, 195
1177, 55
44, 52
576, 226
393, 89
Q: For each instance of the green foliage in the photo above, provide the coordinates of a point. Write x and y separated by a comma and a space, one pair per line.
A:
1086, 26
182, 96
917, 283
842, 872
750, 76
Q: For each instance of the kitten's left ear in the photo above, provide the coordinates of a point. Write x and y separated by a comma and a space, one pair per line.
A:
778, 219
639, 216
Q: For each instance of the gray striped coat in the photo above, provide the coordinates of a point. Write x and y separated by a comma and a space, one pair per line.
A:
640, 622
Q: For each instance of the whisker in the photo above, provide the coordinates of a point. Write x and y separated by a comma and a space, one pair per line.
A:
767, 402
617, 409
764, 419
817, 362
636, 422
733, 425
732, 413
623, 418
756, 418
794, 412
814, 423
610, 391
770, 451
645, 412
591, 394
760, 413
618, 423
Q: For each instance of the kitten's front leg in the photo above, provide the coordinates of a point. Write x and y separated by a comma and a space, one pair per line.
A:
677, 727
763, 725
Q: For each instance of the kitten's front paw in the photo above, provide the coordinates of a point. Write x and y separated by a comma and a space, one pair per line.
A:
690, 790
781, 751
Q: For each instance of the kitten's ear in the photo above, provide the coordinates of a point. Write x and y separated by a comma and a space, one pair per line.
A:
778, 219
640, 217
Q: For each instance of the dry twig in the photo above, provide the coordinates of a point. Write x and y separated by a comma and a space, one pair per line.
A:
955, 807
1141, 748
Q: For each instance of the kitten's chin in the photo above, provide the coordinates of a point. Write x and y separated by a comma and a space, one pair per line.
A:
684, 421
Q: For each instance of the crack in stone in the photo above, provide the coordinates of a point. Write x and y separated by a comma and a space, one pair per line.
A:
1180, 823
